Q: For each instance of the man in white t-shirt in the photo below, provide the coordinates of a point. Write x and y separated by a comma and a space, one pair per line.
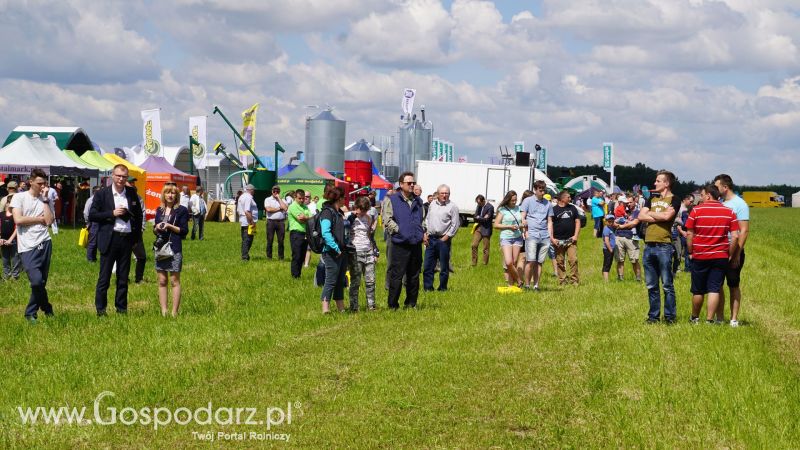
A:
52, 197
33, 215
248, 216
198, 211
185, 197
275, 210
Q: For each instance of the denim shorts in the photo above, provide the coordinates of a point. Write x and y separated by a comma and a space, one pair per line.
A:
537, 249
517, 242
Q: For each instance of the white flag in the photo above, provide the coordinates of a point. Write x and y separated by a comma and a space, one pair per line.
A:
408, 101
151, 132
197, 130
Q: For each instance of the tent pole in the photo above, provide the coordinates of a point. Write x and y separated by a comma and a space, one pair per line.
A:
191, 155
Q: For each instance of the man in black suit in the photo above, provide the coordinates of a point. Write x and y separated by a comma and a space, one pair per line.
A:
118, 212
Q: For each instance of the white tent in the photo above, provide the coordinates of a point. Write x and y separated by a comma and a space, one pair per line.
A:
796, 200
26, 153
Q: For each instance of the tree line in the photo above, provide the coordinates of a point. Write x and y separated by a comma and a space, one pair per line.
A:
629, 176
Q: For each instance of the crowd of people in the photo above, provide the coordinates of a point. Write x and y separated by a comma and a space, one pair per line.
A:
115, 218
706, 233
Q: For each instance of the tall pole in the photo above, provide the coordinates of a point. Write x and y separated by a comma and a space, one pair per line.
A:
192, 143
257, 159
278, 148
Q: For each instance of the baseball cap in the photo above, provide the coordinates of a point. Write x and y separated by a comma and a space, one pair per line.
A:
610, 217
12, 184
548, 197
623, 199
131, 179
250, 187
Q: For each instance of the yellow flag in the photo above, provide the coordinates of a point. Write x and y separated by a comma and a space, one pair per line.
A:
248, 129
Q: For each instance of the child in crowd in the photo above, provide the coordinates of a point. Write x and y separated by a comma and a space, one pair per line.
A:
609, 245
362, 253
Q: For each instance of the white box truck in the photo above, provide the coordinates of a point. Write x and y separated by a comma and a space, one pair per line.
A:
467, 180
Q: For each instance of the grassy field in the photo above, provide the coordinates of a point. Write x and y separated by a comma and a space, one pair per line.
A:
564, 367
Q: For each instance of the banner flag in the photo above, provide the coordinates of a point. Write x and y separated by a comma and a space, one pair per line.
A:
197, 130
408, 101
248, 129
151, 132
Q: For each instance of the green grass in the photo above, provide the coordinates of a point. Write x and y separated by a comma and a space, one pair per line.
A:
566, 367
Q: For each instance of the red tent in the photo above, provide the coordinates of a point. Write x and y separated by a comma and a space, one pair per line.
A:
160, 171
380, 183
336, 181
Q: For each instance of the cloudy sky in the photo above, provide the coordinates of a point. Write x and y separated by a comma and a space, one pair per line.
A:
695, 86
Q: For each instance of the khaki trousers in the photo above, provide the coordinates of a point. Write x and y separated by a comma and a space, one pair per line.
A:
477, 238
571, 252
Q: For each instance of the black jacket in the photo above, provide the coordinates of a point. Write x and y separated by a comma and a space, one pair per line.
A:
485, 225
102, 212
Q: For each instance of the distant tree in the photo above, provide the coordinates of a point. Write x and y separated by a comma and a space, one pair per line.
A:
629, 176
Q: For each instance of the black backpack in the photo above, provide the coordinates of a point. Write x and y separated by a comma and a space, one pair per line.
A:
314, 232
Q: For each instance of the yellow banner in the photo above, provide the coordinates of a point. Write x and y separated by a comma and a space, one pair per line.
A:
248, 129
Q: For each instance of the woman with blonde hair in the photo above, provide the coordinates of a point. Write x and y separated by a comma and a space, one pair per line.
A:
171, 226
509, 222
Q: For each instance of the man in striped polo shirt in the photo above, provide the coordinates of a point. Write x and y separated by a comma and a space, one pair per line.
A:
708, 227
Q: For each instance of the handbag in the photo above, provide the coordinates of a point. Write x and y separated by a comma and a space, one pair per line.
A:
164, 251
83, 237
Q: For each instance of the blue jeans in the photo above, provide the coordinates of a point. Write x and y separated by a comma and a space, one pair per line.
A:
438, 250
687, 263
658, 266
335, 276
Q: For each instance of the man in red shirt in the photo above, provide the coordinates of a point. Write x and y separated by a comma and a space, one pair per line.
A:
708, 227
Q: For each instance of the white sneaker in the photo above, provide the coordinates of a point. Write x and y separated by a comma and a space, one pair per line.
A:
734, 323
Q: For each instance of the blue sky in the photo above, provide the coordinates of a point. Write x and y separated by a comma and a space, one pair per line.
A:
695, 86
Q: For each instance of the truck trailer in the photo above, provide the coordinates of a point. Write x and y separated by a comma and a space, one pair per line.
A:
467, 180
763, 199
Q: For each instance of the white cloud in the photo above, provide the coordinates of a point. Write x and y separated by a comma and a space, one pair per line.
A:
570, 78
416, 33
73, 42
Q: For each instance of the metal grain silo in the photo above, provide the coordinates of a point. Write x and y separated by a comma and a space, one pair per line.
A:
358, 151
416, 139
377, 157
325, 142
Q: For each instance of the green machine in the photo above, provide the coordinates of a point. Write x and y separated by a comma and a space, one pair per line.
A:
258, 175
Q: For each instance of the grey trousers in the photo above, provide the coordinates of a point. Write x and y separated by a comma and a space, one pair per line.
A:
362, 265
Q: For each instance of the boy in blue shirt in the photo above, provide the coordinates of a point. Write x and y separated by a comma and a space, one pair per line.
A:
609, 245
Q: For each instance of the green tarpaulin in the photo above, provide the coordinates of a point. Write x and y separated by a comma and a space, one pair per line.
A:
302, 177
95, 159
72, 138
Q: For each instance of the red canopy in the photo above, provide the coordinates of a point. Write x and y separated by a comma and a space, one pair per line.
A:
326, 174
380, 183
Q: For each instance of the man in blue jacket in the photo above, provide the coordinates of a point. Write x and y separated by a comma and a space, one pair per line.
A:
403, 218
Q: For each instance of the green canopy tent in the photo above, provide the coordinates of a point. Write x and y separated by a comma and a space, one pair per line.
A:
73, 156
302, 177
72, 138
585, 182
97, 160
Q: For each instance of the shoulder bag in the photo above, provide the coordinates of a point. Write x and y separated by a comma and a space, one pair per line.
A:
162, 245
